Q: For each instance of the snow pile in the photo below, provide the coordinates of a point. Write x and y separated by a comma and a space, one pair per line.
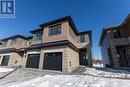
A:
5, 69
108, 72
98, 65
72, 81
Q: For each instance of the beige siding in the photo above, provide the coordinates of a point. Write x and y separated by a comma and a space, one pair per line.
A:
73, 59
87, 41
24, 61
59, 37
33, 42
21, 43
13, 58
72, 36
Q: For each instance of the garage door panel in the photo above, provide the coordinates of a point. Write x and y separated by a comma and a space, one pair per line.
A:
33, 61
53, 61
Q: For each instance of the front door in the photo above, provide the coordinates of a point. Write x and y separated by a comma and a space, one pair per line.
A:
83, 57
5, 60
122, 56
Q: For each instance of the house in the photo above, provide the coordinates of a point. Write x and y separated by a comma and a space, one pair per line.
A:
9, 53
56, 45
115, 45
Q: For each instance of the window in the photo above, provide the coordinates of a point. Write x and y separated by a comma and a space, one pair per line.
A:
117, 33
54, 30
37, 36
14, 41
82, 38
4, 44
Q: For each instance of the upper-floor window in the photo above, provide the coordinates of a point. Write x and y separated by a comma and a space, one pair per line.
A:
14, 41
82, 38
117, 33
54, 30
37, 36
4, 44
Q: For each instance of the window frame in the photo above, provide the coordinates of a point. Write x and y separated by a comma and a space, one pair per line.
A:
37, 36
55, 30
82, 38
14, 41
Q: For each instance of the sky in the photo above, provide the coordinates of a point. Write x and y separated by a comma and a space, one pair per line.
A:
87, 15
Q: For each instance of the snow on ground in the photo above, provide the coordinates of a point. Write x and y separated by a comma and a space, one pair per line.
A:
72, 81
98, 65
5, 69
107, 72
41, 78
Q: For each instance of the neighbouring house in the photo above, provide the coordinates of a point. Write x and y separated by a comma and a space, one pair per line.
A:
10, 55
56, 45
115, 45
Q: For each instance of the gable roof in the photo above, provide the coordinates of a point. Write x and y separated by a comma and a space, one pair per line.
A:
105, 29
14, 36
67, 18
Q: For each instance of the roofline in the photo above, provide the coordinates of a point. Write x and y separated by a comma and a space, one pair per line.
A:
66, 18
8, 50
112, 27
14, 37
36, 30
84, 32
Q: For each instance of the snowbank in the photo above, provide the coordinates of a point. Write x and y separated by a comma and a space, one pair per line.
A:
108, 72
98, 65
5, 69
72, 81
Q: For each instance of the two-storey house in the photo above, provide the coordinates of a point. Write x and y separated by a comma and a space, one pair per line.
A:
57, 45
9, 53
115, 45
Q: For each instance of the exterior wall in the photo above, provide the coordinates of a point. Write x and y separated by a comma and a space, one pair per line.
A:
75, 39
87, 41
13, 58
72, 36
125, 30
53, 38
21, 43
73, 59
33, 42
104, 47
24, 61
70, 58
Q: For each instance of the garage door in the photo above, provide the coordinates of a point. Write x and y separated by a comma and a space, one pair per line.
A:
33, 61
53, 61
5, 60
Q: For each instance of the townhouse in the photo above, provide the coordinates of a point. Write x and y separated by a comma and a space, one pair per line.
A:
56, 45
115, 45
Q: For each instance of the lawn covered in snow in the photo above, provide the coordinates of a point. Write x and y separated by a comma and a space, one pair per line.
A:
5, 69
72, 81
107, 72
91, 77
